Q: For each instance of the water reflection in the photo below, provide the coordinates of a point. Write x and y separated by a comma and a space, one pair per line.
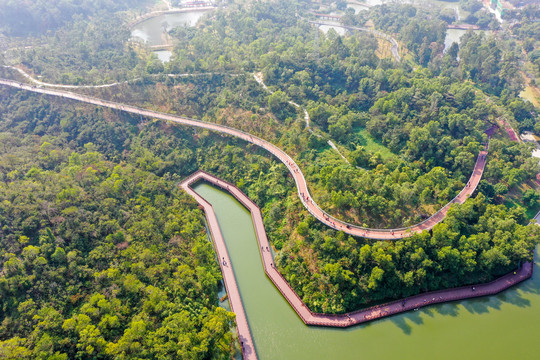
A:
338, 29
471, 329
164, 55
153, 31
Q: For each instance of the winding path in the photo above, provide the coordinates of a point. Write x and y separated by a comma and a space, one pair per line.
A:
63, 86
259, 78
344, 320
294, 169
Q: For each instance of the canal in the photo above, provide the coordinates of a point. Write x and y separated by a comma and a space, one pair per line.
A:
499, 327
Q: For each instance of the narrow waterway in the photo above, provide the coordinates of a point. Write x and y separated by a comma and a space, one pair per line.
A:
453, 36
338, 29
500, 327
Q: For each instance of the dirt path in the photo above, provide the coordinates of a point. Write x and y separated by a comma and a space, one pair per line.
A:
259, 78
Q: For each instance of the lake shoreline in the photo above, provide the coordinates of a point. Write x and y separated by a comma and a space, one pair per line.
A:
153, 14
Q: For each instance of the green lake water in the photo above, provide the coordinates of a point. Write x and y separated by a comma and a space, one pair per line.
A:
151, 30
500, 327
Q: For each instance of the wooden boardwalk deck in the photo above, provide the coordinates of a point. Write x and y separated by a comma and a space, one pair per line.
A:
305, 314
294, 169
357, 317
242, 326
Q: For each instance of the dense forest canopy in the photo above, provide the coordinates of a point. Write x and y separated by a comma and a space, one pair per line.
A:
25, 17
102, 256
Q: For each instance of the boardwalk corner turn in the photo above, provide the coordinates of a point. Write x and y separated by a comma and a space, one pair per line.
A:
294, 169
342, 320
242, 326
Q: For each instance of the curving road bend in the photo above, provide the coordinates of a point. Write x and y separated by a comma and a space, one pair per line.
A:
294, 169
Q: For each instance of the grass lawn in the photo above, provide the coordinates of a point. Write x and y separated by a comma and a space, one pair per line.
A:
531, 212
374, 145
531, 94
513, 198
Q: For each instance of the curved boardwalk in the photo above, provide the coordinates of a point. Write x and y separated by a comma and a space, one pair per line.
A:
357, 317
64, 86
294, 169
242, 327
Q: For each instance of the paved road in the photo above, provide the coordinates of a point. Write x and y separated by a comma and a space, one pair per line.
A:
353, 318
537, 218
294, 169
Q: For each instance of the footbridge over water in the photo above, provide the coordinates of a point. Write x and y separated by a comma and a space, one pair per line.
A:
309, 317
463, 26
328, 17
161, 47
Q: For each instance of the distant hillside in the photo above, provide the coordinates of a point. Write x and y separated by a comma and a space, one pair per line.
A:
24, 17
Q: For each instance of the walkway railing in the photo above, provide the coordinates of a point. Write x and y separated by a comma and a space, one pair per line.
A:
235, 301
360, 316
74, 87
294, 169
